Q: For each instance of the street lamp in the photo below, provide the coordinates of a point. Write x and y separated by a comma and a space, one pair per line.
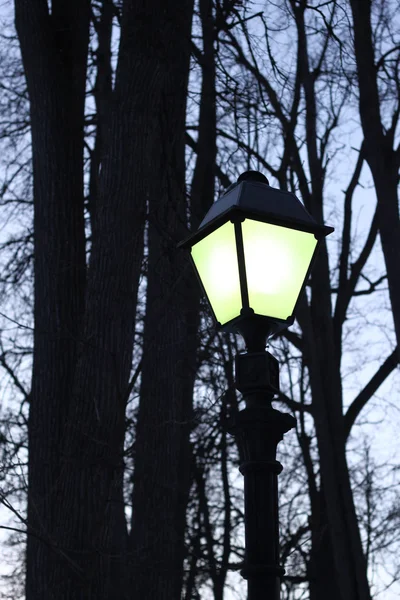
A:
253, 253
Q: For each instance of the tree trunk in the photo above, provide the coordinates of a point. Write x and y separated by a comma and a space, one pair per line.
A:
54, 52
340, 520
382, 159
162, 452
349, 565
321, 573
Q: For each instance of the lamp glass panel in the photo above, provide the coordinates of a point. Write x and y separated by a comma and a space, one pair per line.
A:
277, 260
216, 261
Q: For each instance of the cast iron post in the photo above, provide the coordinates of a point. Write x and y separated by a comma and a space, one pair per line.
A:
258, 429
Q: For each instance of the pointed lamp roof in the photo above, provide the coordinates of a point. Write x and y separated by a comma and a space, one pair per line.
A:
252, 197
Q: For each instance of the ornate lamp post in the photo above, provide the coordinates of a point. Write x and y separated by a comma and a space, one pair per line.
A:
253, 253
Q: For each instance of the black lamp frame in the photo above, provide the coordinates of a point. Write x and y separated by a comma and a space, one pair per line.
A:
250, 325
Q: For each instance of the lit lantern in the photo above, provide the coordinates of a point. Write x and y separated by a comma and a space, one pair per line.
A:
253, 253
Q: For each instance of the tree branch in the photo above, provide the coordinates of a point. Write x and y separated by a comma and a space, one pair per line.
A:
372, 386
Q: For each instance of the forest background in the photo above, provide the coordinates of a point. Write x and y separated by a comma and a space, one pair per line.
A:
120, 124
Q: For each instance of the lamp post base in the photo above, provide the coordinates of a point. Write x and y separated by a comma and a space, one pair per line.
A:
258, 429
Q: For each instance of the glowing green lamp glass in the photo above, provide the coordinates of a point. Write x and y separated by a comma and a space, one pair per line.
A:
253, 253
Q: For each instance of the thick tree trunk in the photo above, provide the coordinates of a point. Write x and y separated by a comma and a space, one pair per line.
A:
162, 452
54, 52
320, 568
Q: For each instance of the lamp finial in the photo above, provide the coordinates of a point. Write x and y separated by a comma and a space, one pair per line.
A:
253, 176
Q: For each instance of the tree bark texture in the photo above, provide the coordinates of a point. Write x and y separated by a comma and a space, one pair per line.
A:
54, 50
